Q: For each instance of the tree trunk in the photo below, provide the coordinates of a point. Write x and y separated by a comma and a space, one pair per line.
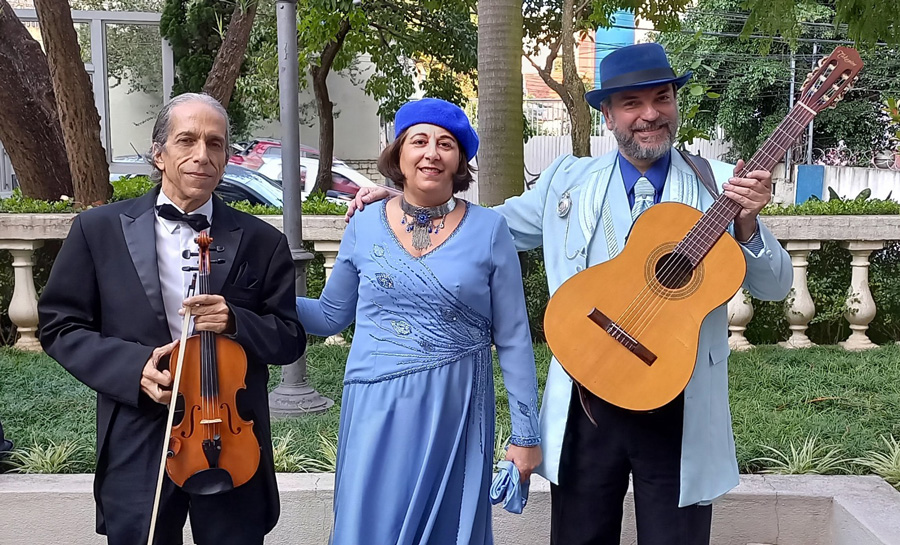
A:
501, 157
227, 66
325, 107
579, 114
29, 124
75, 103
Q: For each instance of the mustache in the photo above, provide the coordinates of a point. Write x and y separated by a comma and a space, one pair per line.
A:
651, 126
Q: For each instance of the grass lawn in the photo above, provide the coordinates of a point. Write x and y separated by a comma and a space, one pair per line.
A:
778, 396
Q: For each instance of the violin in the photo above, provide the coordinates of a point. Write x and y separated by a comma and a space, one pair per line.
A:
211, 449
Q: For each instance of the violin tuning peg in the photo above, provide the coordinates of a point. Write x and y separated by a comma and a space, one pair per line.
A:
190, 269
187, 254
219, 249
218, 261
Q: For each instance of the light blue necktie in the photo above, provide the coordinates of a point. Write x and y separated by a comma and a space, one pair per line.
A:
644, 194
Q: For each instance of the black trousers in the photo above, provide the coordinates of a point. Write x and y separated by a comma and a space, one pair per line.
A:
125, 497
594, 466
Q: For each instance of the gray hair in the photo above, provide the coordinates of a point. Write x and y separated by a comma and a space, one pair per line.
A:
163, 126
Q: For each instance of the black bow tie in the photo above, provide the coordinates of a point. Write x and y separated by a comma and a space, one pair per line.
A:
198, 222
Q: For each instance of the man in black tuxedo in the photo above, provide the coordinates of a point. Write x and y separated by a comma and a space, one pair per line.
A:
110, 315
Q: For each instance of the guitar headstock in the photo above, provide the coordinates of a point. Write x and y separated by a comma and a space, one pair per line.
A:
832, 78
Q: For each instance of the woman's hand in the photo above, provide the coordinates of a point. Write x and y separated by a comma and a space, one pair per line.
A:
526, 459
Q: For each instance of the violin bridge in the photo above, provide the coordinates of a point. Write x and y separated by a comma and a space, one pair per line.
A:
211, 421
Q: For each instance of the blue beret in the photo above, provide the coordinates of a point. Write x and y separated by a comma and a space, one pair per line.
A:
435, 111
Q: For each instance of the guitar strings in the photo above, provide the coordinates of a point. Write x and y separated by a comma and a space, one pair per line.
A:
638, 310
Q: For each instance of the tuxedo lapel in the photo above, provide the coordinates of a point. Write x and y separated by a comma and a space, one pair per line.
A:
226, 232
138, 228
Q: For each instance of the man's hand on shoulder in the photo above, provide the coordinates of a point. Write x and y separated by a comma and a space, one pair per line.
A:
752, 192
367, 195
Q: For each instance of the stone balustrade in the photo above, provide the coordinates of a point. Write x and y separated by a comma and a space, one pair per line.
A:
21, 234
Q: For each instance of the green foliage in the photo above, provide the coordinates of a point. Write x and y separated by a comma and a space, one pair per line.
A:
885, 464
62, 457
777, 396
194, 29
753, 76
131, 187
18, 203
810, 458
317, 204
402, 38
835, 207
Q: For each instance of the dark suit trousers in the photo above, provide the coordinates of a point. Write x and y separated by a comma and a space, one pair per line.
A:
126, 496
594, 466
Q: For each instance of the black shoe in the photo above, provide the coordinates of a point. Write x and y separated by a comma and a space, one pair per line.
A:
5, 446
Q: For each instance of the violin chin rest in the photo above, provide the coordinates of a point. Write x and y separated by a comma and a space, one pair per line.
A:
208, 482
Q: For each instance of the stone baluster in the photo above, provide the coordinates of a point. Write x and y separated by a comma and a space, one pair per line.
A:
799, 307
860, 304
329, 250
23, 304
740, 312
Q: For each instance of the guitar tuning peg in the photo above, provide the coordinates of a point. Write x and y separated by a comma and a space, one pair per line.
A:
187, 254
190, 269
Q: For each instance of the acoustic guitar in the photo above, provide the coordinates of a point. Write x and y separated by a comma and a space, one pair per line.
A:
628, 329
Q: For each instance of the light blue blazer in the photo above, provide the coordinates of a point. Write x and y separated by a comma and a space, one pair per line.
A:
585, 233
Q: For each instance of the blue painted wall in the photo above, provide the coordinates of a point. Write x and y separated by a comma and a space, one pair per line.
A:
610, 39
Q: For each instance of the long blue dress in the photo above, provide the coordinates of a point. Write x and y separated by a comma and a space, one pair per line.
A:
416, 439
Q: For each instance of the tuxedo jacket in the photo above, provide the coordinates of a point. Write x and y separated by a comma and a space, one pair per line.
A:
101, 315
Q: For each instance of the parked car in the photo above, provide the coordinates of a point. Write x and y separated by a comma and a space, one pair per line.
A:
256, 153
346, 181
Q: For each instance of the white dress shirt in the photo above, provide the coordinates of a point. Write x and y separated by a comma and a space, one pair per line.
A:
172, 238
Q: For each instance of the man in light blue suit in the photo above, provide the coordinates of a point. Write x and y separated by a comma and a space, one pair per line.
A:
681, 456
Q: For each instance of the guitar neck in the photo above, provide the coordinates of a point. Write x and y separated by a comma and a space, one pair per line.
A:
701, 238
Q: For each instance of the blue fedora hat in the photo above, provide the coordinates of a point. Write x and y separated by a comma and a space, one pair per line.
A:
634, 67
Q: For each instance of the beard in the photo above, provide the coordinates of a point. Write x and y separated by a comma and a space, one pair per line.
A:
634, 149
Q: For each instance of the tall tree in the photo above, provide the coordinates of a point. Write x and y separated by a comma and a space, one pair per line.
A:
227, 67
78, 114
29, 125
501, 157
403, 39
550, 30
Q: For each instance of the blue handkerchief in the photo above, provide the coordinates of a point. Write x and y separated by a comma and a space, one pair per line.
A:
508, 488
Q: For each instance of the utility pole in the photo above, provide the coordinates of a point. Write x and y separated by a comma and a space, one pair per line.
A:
294, 396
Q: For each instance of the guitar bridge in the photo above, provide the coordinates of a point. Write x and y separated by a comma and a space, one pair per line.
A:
623, 337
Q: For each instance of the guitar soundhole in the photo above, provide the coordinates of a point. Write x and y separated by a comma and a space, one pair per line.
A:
673, 271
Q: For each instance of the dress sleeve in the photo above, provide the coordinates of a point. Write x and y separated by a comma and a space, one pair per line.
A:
512, 337
336, 308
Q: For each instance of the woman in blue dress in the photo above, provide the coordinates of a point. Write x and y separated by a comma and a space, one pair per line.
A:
431, 282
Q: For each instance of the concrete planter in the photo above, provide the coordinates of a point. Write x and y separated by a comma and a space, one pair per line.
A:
783, 510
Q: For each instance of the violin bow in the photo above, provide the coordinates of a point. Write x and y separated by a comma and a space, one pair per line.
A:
185, 326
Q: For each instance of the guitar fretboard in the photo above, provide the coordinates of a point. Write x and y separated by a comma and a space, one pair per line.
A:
706, 232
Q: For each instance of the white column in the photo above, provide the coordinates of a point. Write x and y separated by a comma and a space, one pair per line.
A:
799, 307
860, 304
23, 304
740, 312
329, 250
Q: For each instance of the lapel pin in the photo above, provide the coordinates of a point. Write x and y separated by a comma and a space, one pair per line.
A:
564, 205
